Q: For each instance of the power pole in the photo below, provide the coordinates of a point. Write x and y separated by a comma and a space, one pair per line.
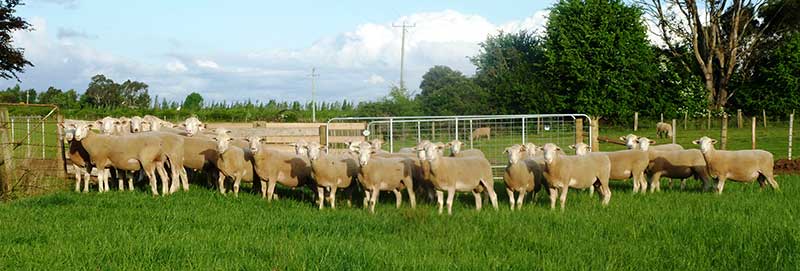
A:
313, 102
404, 27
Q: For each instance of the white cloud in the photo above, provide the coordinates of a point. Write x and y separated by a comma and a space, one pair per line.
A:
355, 65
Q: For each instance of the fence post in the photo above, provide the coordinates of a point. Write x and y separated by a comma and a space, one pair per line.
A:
708, 123
323, 135
595, 132
753, 134
635, 121
739, 118
791, 125
685, 119
470, 134
523, 132
433, 130
764, 114
674, 130
662, 117
28, 139
724, 134
6, 170
578, 130
62, 157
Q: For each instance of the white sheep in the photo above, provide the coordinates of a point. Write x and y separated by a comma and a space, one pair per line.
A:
385, 174
562, 172
482, 132
192, 126
521, 175
663, 129
232, 162
462, 174
78, 156
274, 166
331, 172
455, 150
631, 141
624, 165
153, 123
740, 166
679, 164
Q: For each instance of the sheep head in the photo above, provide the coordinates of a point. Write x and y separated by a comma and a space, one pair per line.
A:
514, 153
630, 141
580, 148
136, 124
107, 125
314, 150
376, 143
550, 152
223, 139
365, 150
300, 148
455, 146
255, 143
193, 126
530, 148
643, 143
706, 144
433, 151
81, 131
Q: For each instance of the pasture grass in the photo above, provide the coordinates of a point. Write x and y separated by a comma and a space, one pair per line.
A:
744, 229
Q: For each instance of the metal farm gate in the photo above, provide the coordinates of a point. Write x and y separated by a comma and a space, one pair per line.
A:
31, 151
504, 131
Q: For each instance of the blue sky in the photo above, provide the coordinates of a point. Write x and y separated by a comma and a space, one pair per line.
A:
235, 50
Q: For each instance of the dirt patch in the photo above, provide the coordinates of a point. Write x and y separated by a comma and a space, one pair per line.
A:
785, 166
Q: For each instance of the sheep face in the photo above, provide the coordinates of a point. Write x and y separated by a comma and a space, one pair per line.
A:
352, 146
644, 143
630, 141
376, 143
136, 124
314, 150
433, 151
514, 153
550, 152
69, 132
706, 144
255, 143
455, 146
192, 126
223, 143
530, 148
107, 125
364, 151
300, 148
420, 149
81, 131
147, 126
580, 148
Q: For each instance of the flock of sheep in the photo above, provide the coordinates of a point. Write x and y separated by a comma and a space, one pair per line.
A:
162, 150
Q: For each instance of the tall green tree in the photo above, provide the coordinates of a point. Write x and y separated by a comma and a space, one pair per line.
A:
102, 91
775, 83
134, 94
510, 67
448, 92
12, 59
193, 101
598, 56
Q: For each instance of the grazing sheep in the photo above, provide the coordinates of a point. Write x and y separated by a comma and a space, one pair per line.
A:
624, 165
129, 153
385, 174
631, 141
663, 129
521, 175
564, 171
330, 172
481, 132
455, 150
680, 164
460, 174
740, 166
273, 166
232, 162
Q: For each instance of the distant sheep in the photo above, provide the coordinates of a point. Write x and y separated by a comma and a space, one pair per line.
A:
663, 130
482, 132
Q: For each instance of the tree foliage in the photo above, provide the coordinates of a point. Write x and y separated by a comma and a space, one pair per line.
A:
775, 84
193, 101
103, 91
598, 57
12, 59
445, 91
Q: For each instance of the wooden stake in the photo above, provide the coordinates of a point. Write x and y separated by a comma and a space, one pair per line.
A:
635, 121
753, 134
674, 126
708, 125
595, 132
578, 130
62, 157
662, 117
685, 120
6, 149
739, 118
724, 134
791, 125
764, 114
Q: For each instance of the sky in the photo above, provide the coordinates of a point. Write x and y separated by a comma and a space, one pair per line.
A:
259, 50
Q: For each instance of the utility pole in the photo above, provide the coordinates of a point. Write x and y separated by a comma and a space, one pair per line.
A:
404, 27
313, 102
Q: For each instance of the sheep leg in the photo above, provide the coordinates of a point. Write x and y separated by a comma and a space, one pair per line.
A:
367, 196
120, 180
373, 200
490, 192
320, 197
130, 183
450, 194
669, 184
162, 172
606, 191
520, 199
271, 189
643, 183
478, 200
87, 177
720, 184
221, 183
553, 195
563, 198
151, 176
236, 182
683, 184
333, 197
412, 196
78, 173
398, 197
771, 180
184, 179
263, 189
655, 182
591, 191
440, 200
511, 201
105, 180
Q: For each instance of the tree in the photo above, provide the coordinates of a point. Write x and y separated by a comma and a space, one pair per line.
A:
134, 94
398, 103
102, 91
510, 66
64, 100
193, 101
722, 35
598, 57
775, 84
12, 59
448, 92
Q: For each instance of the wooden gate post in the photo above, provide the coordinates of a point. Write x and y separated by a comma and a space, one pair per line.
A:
764, 114
753, 134
635, 121
739, 118
6, 149
62, 157
708, 124
685, 120
674, 129
323, 135
578, 130
724, 134
595, 133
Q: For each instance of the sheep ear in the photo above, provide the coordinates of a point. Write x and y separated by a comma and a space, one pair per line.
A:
261, 139
572, 147
622, 138
713, 141
558, 148
696, 142
652, 142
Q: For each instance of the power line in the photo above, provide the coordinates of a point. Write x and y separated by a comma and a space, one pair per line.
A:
404, 27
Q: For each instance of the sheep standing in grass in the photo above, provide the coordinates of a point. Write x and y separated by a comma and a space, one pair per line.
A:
521, 175
680, 164
663, 130
232, 162
331, 172
740, 166
624, 165
482, 132
79, 157
460, 174
385, 174
455, 150
273, 167
565, 171
632, 142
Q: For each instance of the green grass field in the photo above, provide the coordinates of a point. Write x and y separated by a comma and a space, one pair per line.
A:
743, 229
